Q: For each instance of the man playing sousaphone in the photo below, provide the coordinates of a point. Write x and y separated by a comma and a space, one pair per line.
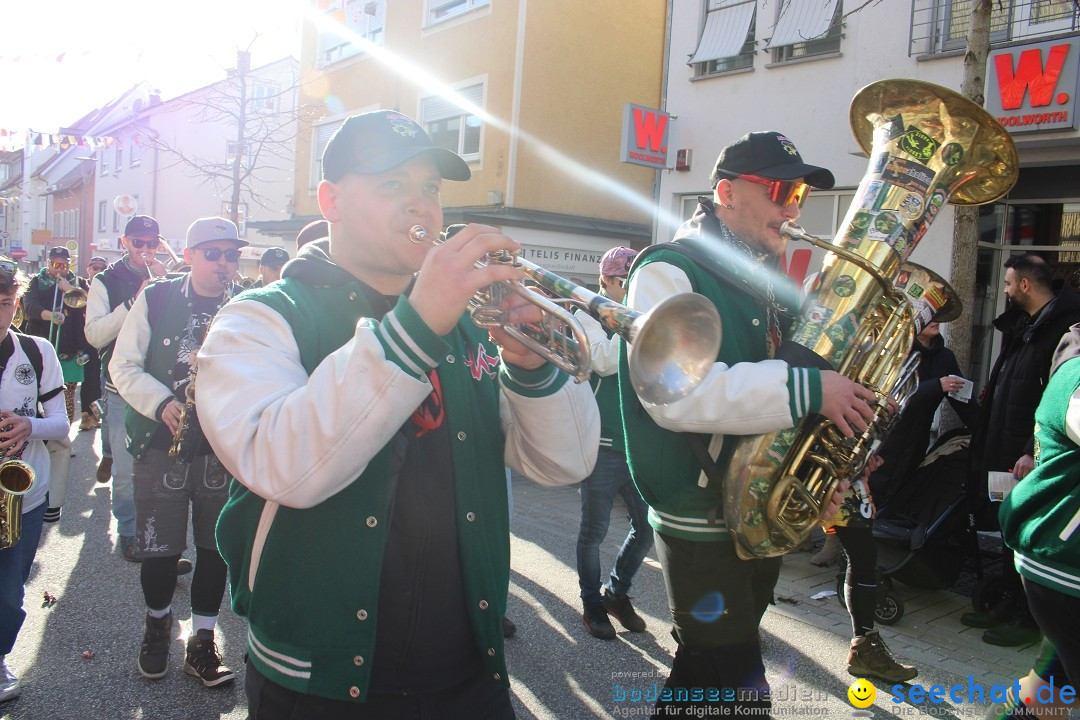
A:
680, 453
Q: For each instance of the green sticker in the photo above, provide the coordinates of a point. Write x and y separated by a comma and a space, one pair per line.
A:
844, 286
918, 144
952, 153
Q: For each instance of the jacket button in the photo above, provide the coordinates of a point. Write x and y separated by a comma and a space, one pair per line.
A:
491, 652
461, 436
371, 522
354, 691
756, 322
361, 614
358, 661
470, 516
498, 676
352, 296
450, 359
483, 604
166, 342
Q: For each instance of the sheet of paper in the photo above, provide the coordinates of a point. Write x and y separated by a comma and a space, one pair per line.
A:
964, 393
999, 484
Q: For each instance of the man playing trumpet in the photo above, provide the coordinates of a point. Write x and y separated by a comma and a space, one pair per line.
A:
367, 421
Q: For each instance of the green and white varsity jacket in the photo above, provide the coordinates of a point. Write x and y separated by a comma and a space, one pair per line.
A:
300, 392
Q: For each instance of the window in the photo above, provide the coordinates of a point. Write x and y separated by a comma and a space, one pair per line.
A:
103, 158
439, 10
320, 136
360, 19
727, 38
958, 16
115, 221
264, 96
452, 127
805, 28
231, 151
119, 159
135, 156
102, 209
241, 216
939, 26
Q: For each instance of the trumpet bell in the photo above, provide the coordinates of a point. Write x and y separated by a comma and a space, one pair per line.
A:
674, 347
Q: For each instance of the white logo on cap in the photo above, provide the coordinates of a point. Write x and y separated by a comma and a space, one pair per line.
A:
403, 126
147, 223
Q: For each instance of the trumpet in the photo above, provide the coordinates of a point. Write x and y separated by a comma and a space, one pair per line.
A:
670, 348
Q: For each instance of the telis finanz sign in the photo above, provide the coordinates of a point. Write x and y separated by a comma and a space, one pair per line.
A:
645, 136
1033, 87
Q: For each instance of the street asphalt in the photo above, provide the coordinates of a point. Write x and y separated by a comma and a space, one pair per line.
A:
77, 656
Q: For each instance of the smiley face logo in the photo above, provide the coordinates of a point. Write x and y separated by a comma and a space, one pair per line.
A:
861, 694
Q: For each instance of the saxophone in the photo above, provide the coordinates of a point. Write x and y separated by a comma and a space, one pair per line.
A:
928, 145
189, 441
16, 479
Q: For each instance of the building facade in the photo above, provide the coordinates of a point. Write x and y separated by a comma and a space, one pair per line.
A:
531, 94
736, 66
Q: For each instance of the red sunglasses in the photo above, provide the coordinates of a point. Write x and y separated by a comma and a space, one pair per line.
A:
782, 192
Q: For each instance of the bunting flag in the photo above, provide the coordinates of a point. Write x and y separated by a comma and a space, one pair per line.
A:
16, 139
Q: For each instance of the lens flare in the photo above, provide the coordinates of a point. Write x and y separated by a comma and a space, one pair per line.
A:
709, 608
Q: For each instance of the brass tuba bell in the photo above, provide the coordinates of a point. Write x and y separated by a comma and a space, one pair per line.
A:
928, 145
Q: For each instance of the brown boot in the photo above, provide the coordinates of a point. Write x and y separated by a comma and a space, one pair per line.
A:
870, 657
104, 470
87, 422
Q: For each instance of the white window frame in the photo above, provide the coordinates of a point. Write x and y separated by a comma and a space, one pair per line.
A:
119, 164
370, 24
135, 156
264, 96
438, 11
827, 45
434, 109
725, 11
103, 161
103, 207
115, 221
320, 136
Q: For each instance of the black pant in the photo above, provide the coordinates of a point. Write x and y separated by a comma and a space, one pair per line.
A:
478, 698
717, 601
1056, 614
91, 384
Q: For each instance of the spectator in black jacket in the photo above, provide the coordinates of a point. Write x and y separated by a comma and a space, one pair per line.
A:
1034, 321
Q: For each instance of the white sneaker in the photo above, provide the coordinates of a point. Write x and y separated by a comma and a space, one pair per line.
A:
9, 684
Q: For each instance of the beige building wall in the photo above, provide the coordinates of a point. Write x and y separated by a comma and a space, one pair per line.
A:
566, 68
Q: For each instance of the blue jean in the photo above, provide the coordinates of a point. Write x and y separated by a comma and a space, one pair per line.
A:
609, 478
15, 564
123, 490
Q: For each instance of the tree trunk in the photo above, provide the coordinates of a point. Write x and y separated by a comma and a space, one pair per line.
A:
965, 247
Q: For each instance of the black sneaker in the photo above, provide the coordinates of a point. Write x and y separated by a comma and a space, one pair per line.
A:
982, 620
1020, 630
204, 662
183, 566
509, 628
154, 655
597, 623
619, 607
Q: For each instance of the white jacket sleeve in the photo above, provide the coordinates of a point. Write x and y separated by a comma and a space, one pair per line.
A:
552, 440
293, 439
747, 398
605, 350
141, 390
102, 325
1072, 417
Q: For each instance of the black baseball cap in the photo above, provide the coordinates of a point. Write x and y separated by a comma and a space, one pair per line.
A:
59, 252
768, 155
314, 230
142, 225
274, 257
374, 142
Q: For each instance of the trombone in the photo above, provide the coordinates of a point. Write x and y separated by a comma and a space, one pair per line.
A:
671, 347
75, 298
174, 263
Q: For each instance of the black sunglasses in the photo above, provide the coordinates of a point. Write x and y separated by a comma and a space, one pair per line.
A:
151, 243
212, 254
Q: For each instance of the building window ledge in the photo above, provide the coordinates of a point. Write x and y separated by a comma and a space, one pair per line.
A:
807, 58
724, 74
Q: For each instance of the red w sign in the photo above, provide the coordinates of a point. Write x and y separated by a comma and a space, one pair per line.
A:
644, 136
1033, 87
